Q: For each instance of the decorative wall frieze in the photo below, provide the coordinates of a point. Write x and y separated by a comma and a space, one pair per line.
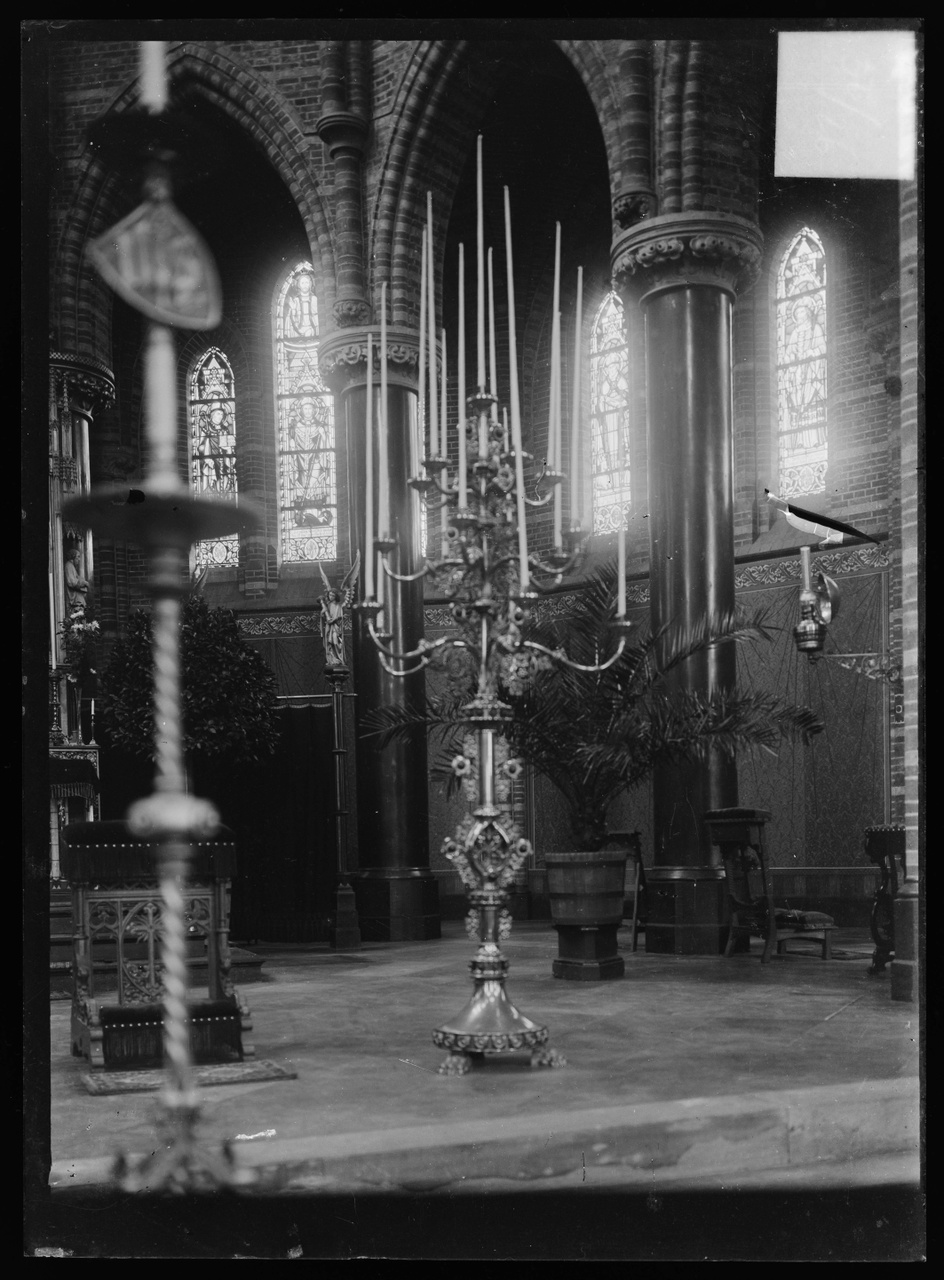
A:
674, 250
838, 563
767, 573
283, 624
630, 207
343, 357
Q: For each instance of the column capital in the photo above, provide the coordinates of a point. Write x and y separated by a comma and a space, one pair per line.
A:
342, 356
674, 250
342, 131
82, 377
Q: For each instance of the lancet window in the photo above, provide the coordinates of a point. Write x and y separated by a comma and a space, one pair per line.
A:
306, 433
212, 407
801, 366
609, 417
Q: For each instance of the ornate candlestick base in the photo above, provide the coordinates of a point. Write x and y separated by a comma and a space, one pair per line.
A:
490, 1023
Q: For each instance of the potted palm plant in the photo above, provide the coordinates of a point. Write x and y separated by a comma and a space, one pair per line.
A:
594, 735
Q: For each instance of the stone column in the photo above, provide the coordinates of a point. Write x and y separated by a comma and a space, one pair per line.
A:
684, 269
395, 890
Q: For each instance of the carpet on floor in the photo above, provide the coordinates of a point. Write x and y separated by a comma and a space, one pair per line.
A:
146, 1081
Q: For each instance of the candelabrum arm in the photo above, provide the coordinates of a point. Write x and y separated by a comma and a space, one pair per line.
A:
430, 567
421, 656
558, 655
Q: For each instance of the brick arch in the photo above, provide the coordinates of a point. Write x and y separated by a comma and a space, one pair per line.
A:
436, 110
80, 312
598, 70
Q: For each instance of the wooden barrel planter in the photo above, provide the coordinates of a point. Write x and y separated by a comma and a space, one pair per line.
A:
585, 890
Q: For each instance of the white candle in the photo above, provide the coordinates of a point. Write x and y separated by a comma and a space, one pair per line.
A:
52, 624
153, 75
383, 479
463, 488
443, 444
492, 362
369, 553
505, 438
575, 504
480, 265
554, 424
523, 572
621, 535
421, 384
431, 321
554, 417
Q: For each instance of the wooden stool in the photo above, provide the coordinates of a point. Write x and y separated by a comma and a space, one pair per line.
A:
739, 833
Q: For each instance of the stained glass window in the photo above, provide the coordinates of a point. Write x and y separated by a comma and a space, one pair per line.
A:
307, 479
609, 416
801, 366
212, 405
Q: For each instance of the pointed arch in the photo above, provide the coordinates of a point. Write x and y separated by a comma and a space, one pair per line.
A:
101, 198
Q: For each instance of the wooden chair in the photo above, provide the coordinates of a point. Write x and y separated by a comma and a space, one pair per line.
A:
739, 833
633, 842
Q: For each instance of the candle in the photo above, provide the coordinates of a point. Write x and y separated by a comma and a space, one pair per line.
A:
370, 554
553, 417
575, 512
480, 265
153, 75
554, 425
463, 491
523, 573
621, 535
421, 384
443, 445
492, 362
505, 440
431, 321
52, 624
383, 480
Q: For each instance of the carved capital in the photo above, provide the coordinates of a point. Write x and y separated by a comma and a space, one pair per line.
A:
82, 379
630, 207
679, 249
351, 313
343, 358
342, 130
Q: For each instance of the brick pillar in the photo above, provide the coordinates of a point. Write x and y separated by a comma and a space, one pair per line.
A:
905, 974
395, 890
684, 270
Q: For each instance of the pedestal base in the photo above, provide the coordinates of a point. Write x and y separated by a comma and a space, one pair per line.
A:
587, 953
401, 905
490, 1024
345, 933
904, 965
688, 912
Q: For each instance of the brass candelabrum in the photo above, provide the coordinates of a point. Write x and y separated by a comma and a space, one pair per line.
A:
479, 570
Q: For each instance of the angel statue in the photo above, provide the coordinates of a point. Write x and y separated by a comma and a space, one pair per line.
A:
333, 603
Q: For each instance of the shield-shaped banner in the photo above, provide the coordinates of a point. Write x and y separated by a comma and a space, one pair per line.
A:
160, 265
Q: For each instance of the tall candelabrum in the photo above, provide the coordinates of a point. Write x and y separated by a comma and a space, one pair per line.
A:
492, 581
158, 263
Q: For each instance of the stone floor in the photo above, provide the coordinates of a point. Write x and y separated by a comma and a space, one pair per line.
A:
719, 1095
